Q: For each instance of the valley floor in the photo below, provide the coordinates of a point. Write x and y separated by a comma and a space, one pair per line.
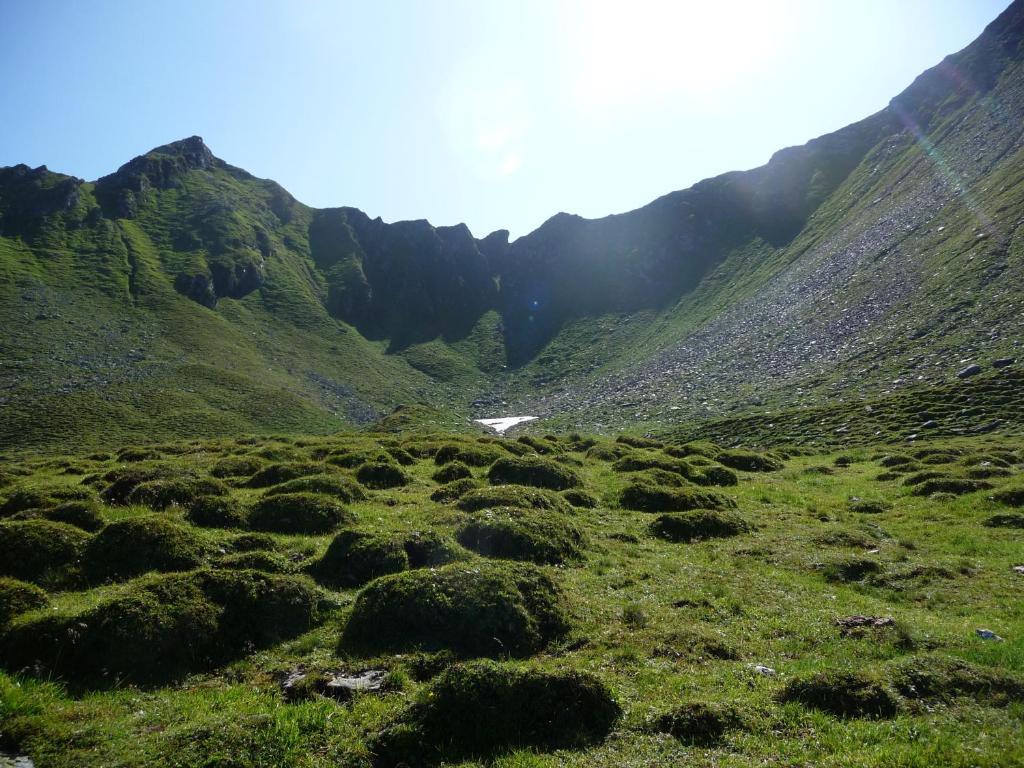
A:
641, 603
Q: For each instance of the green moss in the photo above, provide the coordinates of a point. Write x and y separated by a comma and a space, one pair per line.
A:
338, 486
749, 461
483, 609
698, 723
454, 490
1005, 520
454, 470
481, 709
936, 678
41, 551
513, 496
121, 481
955, 485
267, 562
275, 474
353, 558
851, 569
698, 524
43, 497
237, 466
164, 627
218, 512
17, 597
649, 498
532, 471
139, 544
473, 455
517, 534
580, 498
161, 494
298, 513
1012, 496
842, 693
380, 475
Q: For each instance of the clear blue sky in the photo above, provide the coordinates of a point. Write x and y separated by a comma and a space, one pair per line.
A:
495, 114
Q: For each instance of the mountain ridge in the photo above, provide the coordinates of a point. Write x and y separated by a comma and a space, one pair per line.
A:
572, 321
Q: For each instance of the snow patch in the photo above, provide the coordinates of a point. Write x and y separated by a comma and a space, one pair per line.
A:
503, 424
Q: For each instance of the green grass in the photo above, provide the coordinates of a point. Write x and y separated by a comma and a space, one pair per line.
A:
669, 627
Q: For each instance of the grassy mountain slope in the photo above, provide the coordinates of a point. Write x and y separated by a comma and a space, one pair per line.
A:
907, 272
182, 296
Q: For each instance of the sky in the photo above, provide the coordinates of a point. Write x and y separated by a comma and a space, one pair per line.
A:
495, 114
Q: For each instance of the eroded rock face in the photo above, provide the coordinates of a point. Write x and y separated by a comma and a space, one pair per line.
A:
408, 281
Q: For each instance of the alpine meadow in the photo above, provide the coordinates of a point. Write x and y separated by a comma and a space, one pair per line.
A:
732, 479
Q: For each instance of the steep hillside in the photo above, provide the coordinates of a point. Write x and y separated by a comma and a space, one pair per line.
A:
910, 269
181, 296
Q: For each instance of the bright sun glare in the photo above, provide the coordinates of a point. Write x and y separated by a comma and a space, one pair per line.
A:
630, 53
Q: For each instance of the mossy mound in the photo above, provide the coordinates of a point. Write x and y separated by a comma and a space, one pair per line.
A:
513, 496
218, 512
251, 542
698, 723
698, 524
987, 473
517, 534
957, 486
897, 460
714, 474
132, 454
161, 494
162, 628
547, 445
401, 455
121, 481
749, 461
703, 448
454, 490
533, 471
1005, 520
481, 709
134, 546
354, 558
455, 470
474, 456
660, 477
40, 550
309, 513
380, 475
648, 498
275, 474
638, 442
237, 466
869, 506
341, 488
44, 497
696, 644
348, 459
17, 597
919, 477
1011, 497
849, 569
638, 461
268, 562
487, 609
429, 549
843, 694
581, 499
86, 515
604, 452
944, 678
